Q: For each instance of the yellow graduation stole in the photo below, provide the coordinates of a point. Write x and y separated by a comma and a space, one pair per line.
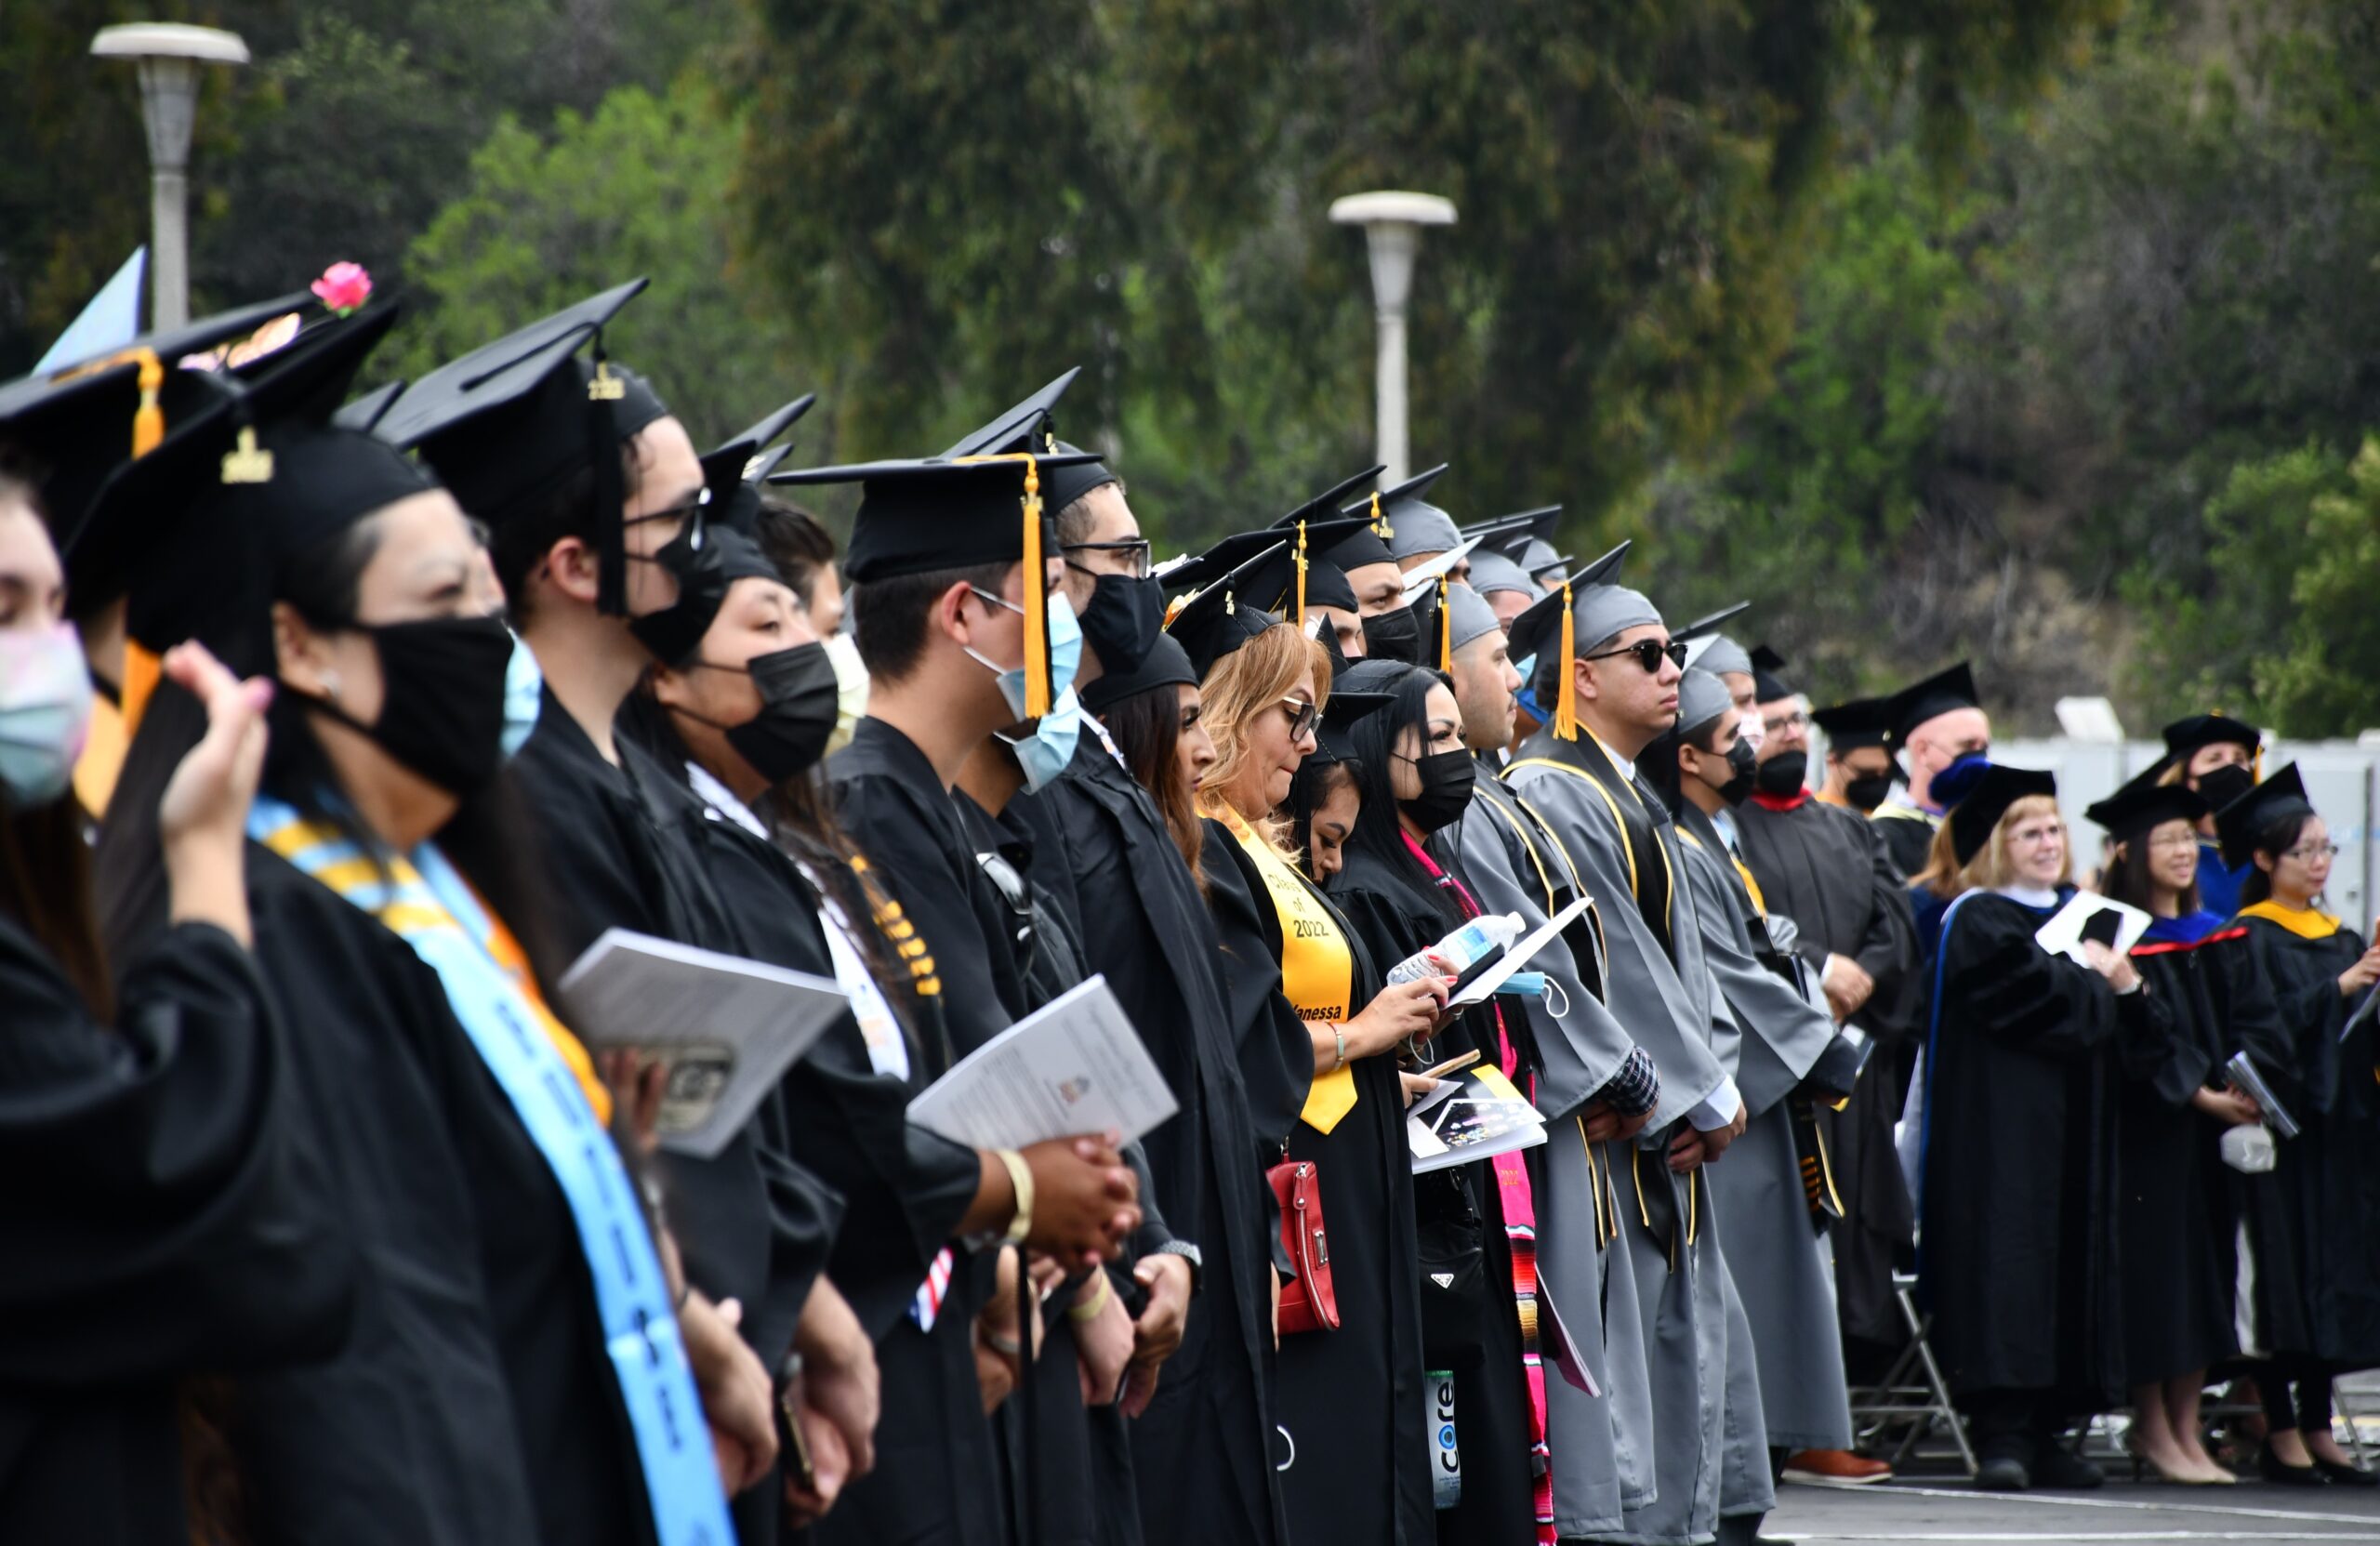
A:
2305, 922
1318, 967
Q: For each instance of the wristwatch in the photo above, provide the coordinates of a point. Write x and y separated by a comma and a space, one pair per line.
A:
1188, 1250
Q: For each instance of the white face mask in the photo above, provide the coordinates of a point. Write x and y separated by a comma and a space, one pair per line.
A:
851, 689
45, 711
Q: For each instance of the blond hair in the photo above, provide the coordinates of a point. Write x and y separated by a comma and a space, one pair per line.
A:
1991, 868
1242, 685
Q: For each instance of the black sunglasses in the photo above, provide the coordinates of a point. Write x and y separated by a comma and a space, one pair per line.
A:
1648, 653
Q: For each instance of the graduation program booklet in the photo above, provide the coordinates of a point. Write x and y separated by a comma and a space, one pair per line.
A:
1074, 1066
2117, 925
1476, 1115
725, 1028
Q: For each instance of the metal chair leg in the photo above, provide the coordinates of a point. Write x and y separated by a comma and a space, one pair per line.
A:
1946, 1410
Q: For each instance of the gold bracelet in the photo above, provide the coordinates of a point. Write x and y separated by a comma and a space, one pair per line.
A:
1079, 1311
1020, 1180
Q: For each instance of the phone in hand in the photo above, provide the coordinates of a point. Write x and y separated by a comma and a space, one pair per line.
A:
2101, 928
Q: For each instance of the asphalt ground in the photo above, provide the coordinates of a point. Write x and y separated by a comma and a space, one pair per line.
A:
1947, 1509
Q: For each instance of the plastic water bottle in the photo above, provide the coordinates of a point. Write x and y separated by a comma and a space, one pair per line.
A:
1446, 1460
1462, 950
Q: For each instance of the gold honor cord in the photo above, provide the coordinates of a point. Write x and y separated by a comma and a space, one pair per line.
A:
1566, 701
1038, 691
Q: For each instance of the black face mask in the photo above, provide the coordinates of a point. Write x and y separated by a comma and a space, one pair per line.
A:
2226, 784
673, 634
1742, 774
1122, 619
797, 705
1868, 790
1445, 789
1393, 636
441, 698
1781, 776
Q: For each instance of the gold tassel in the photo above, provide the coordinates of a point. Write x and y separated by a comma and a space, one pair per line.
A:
1380, 528
148, 419
141, 670
1037, 692
1446, 630
1566, 701
1301, 618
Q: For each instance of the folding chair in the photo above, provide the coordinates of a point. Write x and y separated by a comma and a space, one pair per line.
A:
1911, 1391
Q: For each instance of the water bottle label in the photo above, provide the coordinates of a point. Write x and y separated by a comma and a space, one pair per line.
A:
1445, 1458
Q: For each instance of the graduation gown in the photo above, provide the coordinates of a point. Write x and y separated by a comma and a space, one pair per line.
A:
1513, 864
1351, 1400
1661, 993
1828, 869
2314, 1219
1907, 833
1756, 1188
2175, 1257
1203, 1465
167, 1209
1269, 1042
1389, 908
2016, 1253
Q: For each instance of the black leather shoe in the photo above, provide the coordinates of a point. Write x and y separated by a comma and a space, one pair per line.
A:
2282, 1474
2345, 1476
2003, 1474
2055, 1466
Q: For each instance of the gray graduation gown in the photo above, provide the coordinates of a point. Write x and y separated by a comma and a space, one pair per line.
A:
1662, 995
1513, 866
1757, 1188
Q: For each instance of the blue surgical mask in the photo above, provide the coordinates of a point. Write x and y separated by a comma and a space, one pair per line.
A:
1527, 692
1065, 651
1044, 754
44, 712
525, 693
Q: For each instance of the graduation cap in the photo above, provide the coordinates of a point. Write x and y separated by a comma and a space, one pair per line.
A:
1470, 617
1334, 728
1996, 789
1491, 573
1530, 634
1370, 546
1327, 545
2184, 737
508, 423
1238, 548
926, 515
740, 557
1702, 637
1212, 623
1029, 425
366, 412
1541, 559
1767, 685
1850, 726
2147, 802
1509, 534
1944, 692
1593, 608
1701, 698
1416, 526
734, 469
1166, 665
2278, 799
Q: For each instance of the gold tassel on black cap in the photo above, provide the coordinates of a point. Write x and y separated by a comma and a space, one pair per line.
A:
1037, 691
1301, 618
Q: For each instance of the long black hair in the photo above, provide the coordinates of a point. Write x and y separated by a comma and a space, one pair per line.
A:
1147, 727
2125, 878
1375, 737
2277, 838
1310, 789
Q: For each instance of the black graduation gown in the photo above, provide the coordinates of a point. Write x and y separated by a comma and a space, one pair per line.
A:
2177, 1260
1907, 837
1203, 1467
1387, 904
167, 1209
475, 1399
1269, 1042
1828, 870
2314, 1219
1351, 1399
2017, 1257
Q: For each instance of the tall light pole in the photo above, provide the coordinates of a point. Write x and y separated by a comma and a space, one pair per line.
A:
169, 54
1392, 223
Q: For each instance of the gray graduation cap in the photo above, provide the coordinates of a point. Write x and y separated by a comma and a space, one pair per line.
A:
1415, 526
1701, 697
1469, 616
1492, 572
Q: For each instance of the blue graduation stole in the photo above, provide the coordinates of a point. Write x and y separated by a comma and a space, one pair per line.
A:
426, 904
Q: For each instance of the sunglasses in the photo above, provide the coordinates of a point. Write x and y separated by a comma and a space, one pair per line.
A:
1301, 717
1649, 654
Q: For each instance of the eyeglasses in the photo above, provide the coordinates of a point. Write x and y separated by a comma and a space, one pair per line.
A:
694, 509
1136, 553
2311, 852
1301, 717
2038, 834
2174, 840
1780, 724
989, 600
1648, 653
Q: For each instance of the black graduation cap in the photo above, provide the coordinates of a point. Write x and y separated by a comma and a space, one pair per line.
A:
1238, 548
1509, 534
1850, 726
366, 412
2239, 824
505, 425
1333, 729
740, 557
1943, 693
1768, 686
1029, 425
206, 334
1229, 612
1166, 665
2147, 802
1999, 787
2186, 735
735, 467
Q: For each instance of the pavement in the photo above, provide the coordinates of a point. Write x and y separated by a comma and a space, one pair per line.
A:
1946, 1509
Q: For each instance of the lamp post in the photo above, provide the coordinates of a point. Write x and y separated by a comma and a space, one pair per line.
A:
1392, 223
169, 55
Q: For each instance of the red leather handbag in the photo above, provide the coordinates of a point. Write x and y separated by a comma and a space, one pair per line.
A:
1308, 1301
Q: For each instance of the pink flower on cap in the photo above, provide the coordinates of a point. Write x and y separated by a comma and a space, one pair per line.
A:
343, 287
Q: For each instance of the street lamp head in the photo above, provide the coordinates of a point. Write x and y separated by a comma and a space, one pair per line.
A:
169, 40
1413, 209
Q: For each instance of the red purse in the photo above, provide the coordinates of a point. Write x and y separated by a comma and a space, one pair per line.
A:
1308, 1301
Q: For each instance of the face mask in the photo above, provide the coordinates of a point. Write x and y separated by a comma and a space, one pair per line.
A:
1445, 789
1781, 776
44, 712
1753, 733
1065, 651
2226, 784
1122, 618
1868, 791
441, 698
797, 700
1742, 774
850, 690
1393, 636
1044, 754
673, 634
524, 696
